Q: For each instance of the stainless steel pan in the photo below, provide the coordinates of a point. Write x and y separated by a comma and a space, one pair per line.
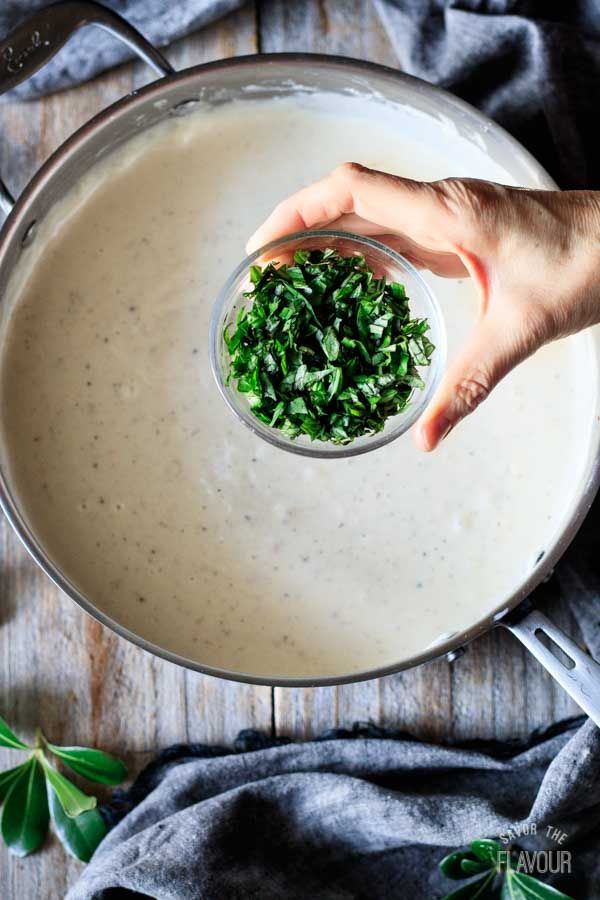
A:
35, 42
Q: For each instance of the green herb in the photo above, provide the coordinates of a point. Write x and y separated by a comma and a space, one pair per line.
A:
495, 874
326, 349
25, 811
35, 791
81, 835
95, 765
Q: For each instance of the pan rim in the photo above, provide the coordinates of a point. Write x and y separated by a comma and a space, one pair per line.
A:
581, 502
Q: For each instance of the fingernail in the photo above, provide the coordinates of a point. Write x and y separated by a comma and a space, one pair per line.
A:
434, 432
255, 241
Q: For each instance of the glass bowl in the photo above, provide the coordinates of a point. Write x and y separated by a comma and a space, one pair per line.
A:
385, 262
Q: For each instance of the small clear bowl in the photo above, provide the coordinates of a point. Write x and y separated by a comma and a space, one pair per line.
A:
385, 262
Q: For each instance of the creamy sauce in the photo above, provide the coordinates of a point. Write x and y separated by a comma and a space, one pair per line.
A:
182, 525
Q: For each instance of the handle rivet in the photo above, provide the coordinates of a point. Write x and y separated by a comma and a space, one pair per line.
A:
29, 234
183, 108
452, 655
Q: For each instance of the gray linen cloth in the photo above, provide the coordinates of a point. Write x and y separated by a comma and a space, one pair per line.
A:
366, 818
369, 816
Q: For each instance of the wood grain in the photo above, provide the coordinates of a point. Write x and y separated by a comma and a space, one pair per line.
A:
340, 27
58, 667
81, 683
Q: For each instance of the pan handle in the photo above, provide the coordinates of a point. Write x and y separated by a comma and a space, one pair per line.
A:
6, 200
33, 43
574, 669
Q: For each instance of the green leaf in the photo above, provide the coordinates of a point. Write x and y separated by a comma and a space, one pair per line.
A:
95, 765
7, 778
487, 850
79, 836
9, 739
398, 291
73, 801
519, 886
452, 865
479, 889
25, 812
331, 345
277, 412
474, 866
297, 407
335, 383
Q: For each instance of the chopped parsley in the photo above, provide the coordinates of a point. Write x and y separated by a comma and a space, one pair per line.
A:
325, 348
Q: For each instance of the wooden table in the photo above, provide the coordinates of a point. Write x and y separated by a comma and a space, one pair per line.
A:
84, 685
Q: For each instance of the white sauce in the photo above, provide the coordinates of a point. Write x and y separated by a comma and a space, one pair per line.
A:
182, 525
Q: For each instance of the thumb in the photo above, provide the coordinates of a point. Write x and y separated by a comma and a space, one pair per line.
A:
492, 350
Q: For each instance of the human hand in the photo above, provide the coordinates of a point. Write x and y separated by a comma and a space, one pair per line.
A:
533, 255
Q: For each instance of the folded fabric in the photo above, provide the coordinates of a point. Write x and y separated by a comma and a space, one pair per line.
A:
364, 816
532, 65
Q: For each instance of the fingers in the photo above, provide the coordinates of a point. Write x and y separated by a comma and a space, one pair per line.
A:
445, 264
451, 227
351, 193
490, 353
